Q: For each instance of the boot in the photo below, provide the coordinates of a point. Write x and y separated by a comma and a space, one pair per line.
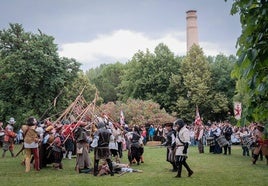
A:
96, 167
64, 155
142, 160
60, 165
70, 155
4, 154
12, 154
190, 172
110, 167
179, 171
261, 157
175, 168
86, 170
225, 150
254, 158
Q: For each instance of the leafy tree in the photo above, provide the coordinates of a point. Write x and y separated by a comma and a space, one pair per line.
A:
196, 88
252, 65
147, 76
107, 78
32, 73
164, 66
137, 74
221, 68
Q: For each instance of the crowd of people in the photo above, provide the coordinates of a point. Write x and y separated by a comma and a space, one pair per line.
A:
49, 142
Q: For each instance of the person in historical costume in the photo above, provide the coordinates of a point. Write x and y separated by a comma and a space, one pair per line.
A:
135, 148
216, 132
245, 137
46, 156
182, 143
2, 134
261, 138
198, 135
170, 144
118, 134
227, 132
144, 134
113, 146
100, 144
159, 134
81, 137
9, 138
57, 148
31, 143
69, 139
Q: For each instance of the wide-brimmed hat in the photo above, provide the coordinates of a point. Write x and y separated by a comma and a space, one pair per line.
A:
11, 121
49, 128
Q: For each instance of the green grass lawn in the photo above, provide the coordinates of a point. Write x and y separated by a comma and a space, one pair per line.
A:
209, 169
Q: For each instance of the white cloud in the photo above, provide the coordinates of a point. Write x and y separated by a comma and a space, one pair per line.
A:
121, 45
214, 49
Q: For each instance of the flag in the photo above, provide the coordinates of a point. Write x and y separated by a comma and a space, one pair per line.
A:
197, 117
122, 118
237, 110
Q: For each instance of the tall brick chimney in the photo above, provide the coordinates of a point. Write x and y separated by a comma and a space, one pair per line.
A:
192, 31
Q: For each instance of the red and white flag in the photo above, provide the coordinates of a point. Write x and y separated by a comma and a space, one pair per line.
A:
122, 118
237, 110
197, 117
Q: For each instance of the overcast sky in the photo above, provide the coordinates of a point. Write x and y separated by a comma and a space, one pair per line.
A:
95, 32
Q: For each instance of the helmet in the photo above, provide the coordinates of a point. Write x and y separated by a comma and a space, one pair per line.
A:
12, 121
179, 122
101, 124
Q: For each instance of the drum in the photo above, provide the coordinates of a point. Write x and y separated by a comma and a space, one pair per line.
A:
222, 141
210, 141
248, 142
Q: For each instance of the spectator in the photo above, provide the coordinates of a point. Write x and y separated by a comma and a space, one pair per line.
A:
151, 132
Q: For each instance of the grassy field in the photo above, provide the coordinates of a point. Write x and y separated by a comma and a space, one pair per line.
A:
209, 169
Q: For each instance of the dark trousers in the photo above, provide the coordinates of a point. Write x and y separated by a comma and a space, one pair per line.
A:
181, 161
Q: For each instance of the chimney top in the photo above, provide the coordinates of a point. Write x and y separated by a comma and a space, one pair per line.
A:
189, 11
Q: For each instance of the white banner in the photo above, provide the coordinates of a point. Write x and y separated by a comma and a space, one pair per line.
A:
237, 110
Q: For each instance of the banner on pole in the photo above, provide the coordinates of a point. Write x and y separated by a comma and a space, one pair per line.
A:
237, 110
122, 118
197, 116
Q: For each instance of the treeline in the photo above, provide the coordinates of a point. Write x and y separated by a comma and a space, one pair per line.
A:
177, 83
34, 80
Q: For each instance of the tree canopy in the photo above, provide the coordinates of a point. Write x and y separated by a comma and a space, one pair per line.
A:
252, 65
32, 73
